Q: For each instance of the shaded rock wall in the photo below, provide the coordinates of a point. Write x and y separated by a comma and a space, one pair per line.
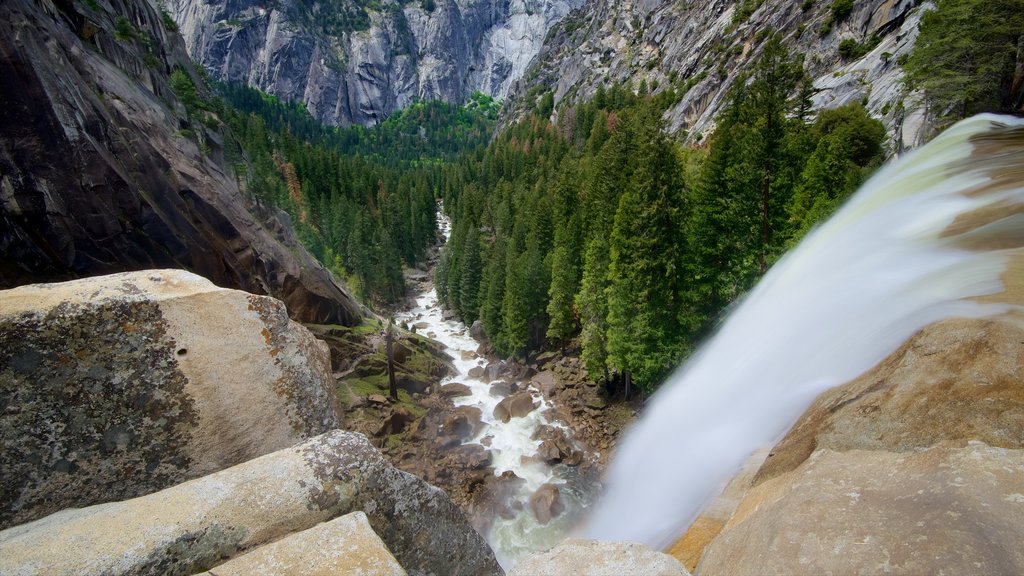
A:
102, 170
121, 385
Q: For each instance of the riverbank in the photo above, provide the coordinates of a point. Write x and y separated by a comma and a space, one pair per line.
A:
519, 447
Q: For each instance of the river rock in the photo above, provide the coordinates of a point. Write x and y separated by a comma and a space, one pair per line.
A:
345, 545
462, 423
192, 525
476, 372
945, 510
546, 503
121, 385
502, 389
546, 382
556, 447
498, 495
492, 372
454, 390
593, 558
477, 332
515, 406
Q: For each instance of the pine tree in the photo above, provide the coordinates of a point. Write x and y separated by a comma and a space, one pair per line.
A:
644, 339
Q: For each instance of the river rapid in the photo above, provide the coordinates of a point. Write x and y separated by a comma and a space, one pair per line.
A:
515, 533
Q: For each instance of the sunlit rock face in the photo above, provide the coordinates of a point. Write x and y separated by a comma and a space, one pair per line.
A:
120, 385
353, 69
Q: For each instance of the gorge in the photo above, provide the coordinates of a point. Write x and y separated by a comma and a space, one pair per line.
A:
197, 279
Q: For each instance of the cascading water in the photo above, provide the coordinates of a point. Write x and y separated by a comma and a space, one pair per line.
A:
927, 238
512, 445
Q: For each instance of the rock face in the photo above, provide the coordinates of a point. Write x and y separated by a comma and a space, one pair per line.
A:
946, 510
194, 525
349, 64
104, 171
595, 558
120, 385
698, 48
345, 545
904, 464
954, 381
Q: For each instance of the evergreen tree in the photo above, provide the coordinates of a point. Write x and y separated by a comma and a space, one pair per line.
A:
644, 338
968, 57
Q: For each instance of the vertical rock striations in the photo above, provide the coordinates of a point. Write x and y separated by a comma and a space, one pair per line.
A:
350, 63
103, 169
697, 49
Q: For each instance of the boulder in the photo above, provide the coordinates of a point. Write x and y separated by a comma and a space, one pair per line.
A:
394, 423
121, 385
477, 332
499, 492
593, 558
192, 525
502, 389
345, 545
476, 372
515, 406
454, 390
556, 447
462, 423
470, 457
493, 371
546, 503
546, 382
945, 510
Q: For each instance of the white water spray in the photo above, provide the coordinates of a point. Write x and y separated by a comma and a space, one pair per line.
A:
512, 445
885, 266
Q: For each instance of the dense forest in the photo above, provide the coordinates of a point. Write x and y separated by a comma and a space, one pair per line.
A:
600, 226
588, 223
362, 200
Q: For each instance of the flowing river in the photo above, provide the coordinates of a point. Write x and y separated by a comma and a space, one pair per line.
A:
513, 447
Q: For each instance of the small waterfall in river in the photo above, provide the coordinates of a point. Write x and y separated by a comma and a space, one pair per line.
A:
928, 237
512, 445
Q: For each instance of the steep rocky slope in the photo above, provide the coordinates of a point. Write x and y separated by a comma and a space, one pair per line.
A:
105, 170
356, 62
699, 47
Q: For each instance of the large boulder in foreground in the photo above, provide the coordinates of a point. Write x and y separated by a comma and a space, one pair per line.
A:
345, 545
946, 510
195, 525
121, 385
592, 558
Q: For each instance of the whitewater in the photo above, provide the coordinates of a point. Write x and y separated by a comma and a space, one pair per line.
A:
928, 237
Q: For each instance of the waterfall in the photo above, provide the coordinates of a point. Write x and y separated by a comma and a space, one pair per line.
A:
928, 237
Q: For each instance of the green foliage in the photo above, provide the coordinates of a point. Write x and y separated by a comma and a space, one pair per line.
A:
124, 31
169, 24
185, 90
361, 200
850, 49
603, 229
849, 147
967, 58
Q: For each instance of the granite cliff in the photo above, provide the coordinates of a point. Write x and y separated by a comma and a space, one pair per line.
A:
103, 169
698, 48
355, 62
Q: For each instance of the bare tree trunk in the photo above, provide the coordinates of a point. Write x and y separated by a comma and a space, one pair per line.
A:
388, 339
